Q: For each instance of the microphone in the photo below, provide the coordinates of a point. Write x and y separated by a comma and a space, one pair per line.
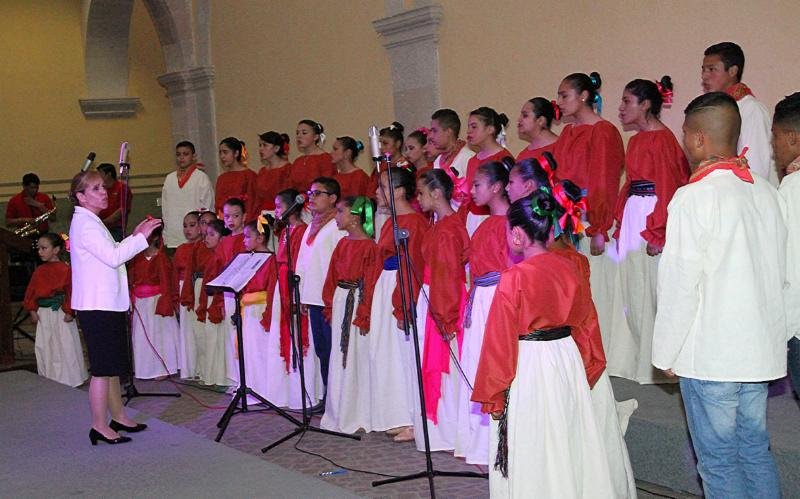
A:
298, 202
374, 145
123, 157
89, 161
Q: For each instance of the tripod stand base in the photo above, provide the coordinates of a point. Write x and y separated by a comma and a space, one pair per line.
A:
130, 392
304, 427
241, 395
430, 475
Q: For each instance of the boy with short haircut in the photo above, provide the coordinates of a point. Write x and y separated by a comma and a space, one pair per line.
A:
186, 189
721, 324
786, 144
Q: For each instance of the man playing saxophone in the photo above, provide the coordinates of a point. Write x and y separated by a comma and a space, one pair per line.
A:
29, 207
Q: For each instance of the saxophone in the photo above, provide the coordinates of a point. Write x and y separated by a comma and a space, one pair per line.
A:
32, 228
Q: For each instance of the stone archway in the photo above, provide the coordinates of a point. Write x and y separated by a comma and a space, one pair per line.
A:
183, 29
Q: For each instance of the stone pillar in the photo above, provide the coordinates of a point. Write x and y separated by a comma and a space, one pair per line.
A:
411, 38
191, 99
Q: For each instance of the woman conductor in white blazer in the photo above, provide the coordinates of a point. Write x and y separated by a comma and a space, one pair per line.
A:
100, 298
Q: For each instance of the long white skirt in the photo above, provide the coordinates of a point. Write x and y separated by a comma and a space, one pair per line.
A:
59, 355
255, 342
442, 435
554, 447
283, 388
155, 341
187, 341
608, 424
472, 437
347, 405
231, 345
391, 397
606, 288
632, 348
213, 366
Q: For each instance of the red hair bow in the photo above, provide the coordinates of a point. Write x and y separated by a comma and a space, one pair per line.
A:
551, 174
556, 110
572, 210
666, 94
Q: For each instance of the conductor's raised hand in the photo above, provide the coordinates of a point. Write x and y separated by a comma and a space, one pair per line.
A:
147, 226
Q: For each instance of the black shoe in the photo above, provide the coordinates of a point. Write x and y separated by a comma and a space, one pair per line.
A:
130, 429
318, 409
95, 435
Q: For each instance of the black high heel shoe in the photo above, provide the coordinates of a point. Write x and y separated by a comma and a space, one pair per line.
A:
116, 426
95, 435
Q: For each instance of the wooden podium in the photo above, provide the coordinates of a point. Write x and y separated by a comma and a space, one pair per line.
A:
8, 240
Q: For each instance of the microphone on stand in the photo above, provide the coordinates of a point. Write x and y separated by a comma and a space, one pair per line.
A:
298, 202
89, 161
123, 158
374, 145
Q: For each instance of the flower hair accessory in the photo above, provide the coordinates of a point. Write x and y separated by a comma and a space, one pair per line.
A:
321, 138
666, 93
556, 110
285, 148
501, 137
423, 130
65, 238
262, 221
244, 156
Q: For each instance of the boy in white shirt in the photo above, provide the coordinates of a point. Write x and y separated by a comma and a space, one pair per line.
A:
721, 324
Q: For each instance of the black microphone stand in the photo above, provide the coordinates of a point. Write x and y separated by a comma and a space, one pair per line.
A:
295, 335
130, 391
405, 277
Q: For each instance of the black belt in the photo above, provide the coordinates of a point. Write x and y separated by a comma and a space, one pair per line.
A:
642, 188
351, 287
553, 334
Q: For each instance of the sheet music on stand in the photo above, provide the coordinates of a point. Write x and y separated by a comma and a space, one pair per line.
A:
239, 271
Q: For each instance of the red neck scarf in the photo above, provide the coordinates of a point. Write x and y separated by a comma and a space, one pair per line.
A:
736, 164
182, 179
738, 91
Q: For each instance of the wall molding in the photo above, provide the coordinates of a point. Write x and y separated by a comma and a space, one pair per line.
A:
122, 107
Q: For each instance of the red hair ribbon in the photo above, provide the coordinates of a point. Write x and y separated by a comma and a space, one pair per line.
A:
666, 94
551, 174
572, 210
556, 110
285, 148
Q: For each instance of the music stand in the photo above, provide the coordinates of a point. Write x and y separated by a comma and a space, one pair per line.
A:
233, 278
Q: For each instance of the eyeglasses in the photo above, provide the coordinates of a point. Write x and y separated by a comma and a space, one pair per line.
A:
315, 193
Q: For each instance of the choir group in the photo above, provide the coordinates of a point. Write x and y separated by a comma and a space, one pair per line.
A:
515, 369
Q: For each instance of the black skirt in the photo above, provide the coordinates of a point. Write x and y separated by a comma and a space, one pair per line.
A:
106, 338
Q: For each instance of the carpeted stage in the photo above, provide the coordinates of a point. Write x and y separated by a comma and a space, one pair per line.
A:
45, 450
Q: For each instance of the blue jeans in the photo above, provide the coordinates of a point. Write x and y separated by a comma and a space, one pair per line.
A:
794, 364
728, 426
321, 331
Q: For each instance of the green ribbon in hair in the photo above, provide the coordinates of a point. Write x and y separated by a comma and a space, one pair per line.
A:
362, 207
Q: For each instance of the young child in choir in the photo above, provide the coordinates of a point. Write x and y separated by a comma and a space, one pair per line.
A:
487, 258
182, 268
392, 365
721, 320
611, 416
589, 152
233, 214
273, 177
786, 144
314, 259
59, 355
414, 151
348, 297
533, 126
283, 375
313, 161
486, 131
353, 181
528, 175
185, 189
211, 312
655, 166
531, 378
205, 217
391, 141
440, 310
453, 152
238, 181
154, 325
255, 339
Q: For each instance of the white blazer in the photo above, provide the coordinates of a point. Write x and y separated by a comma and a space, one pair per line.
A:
99, 276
